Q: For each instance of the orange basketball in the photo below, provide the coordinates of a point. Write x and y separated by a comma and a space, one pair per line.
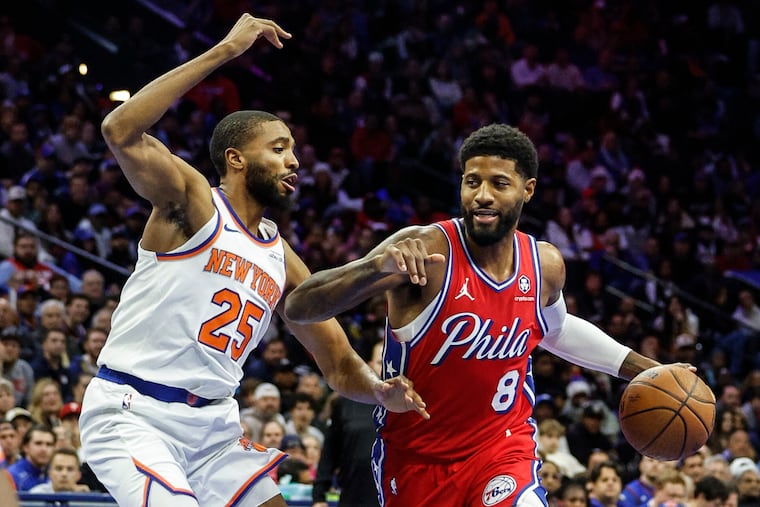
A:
667, 412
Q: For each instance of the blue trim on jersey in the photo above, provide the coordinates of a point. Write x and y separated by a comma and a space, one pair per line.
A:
529, 388
206, 242
535, 485
264, 242
377, 463
537, 270
441, 298
159, 392
482, 274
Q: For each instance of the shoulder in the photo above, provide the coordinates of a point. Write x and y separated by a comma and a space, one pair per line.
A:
552, 266
433, 236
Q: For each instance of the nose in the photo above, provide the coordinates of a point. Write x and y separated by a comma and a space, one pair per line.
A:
292, 162
483, 194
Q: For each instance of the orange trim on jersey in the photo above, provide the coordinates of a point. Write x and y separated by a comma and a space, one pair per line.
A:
247, 485
10, 478
194, 251
152, 475
266, 243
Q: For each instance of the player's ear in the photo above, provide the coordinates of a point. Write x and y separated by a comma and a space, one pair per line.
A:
234, 159
530, 188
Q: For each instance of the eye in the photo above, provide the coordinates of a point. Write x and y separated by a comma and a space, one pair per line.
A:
279, 149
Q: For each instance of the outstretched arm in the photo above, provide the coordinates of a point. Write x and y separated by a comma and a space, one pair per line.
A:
577, 340
344, 371
401, 258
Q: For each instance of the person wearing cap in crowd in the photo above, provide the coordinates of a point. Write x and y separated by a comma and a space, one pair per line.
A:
577, 393
266, 407
746, 480
67, 432
13, 209
18, 371
545, 408
21, 419
96, 222
586, 435
37, 445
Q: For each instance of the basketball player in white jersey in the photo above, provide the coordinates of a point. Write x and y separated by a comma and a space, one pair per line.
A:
159, 423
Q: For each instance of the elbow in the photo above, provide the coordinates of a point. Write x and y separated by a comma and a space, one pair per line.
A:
115, 130
295, 310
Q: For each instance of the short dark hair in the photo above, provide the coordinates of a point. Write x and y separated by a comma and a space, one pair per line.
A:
502, 141
233, 131
595, 472
712, 487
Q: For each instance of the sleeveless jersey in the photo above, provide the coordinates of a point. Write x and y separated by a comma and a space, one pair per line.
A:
468, 354
189, 318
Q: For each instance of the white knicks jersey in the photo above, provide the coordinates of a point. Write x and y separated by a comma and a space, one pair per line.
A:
189, 318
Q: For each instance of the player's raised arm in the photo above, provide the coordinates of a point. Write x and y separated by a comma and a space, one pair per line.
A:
402, 258
150, 168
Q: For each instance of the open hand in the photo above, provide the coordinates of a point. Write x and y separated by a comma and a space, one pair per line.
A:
248, 29
409, 256
398, 395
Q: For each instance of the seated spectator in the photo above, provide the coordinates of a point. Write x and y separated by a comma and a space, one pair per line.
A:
604, 485
37, 445
16, 370
585, 436
266, 407
669, 489
746, 478
709, 491
301, 417
22, 271
7, 401
10, 443
21, 419
46, 402
550, 432
63, 474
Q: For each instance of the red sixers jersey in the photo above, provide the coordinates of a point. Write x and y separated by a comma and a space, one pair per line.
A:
468, 354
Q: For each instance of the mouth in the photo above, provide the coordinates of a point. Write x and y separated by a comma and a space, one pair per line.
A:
289, 182
485, 216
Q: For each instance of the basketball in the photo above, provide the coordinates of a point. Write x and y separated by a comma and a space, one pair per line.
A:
667, 412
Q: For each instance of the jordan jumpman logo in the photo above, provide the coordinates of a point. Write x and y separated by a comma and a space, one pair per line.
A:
464, 292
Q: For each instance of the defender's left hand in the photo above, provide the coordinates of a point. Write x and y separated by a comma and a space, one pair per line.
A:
398, 395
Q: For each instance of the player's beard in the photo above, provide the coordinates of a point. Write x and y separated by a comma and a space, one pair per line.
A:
490, 235
265, 189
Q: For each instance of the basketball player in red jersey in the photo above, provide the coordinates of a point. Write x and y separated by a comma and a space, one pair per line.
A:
468, 300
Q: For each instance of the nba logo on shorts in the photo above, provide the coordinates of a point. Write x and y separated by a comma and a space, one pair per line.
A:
498, 489
524, 284
126, 401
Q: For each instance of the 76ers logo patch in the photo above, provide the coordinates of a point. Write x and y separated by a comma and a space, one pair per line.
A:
524, 284
498, 489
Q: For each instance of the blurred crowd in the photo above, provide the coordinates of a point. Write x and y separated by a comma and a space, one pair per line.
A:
646, 117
